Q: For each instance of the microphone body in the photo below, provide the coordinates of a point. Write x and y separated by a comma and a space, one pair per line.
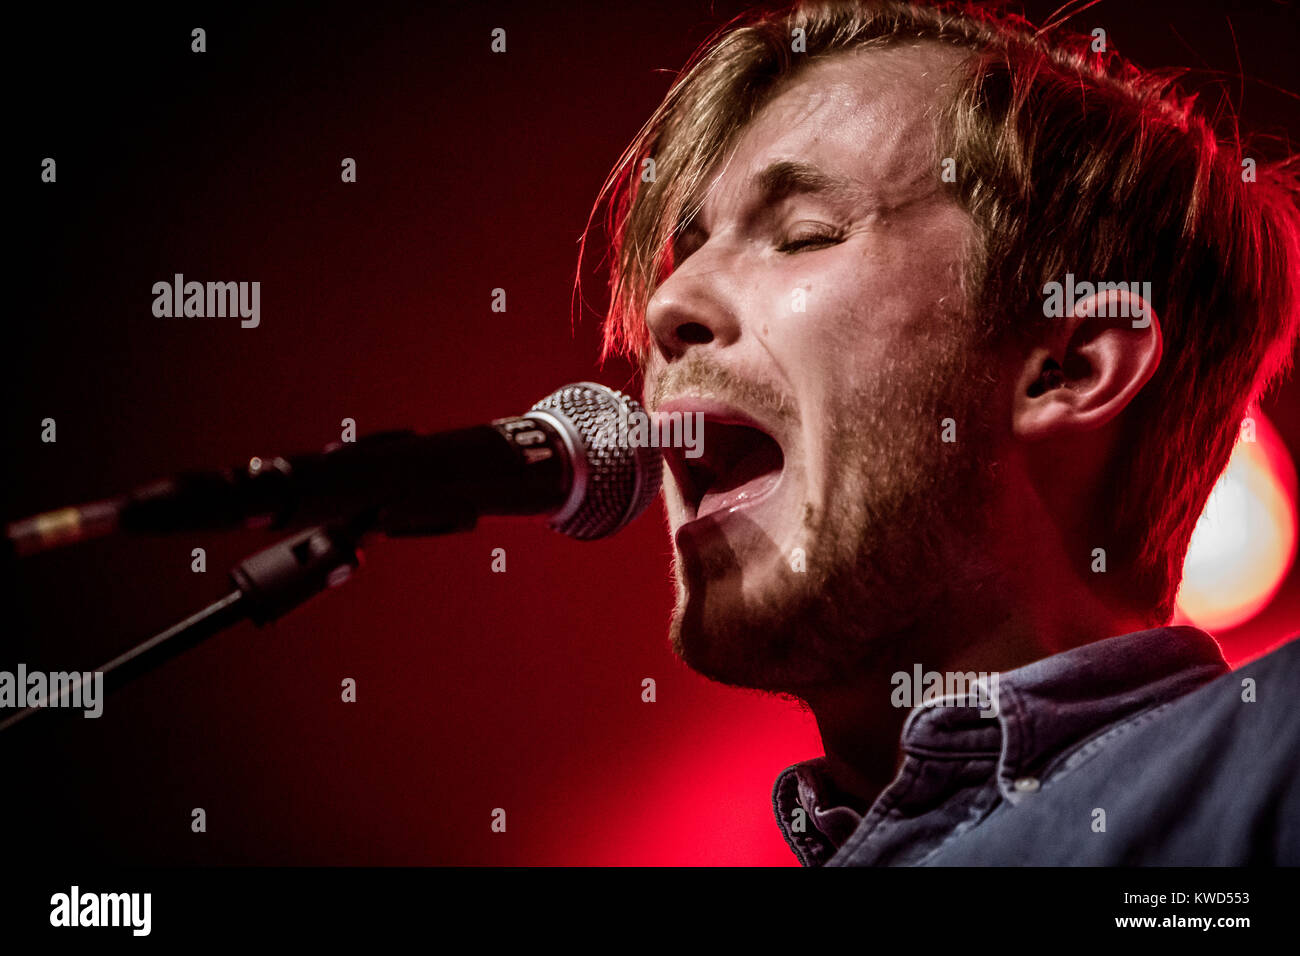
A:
414, 484
567, 458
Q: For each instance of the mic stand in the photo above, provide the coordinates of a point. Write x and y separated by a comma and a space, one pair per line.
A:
268, 585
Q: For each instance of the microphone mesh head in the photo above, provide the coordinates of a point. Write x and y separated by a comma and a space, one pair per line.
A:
612, 481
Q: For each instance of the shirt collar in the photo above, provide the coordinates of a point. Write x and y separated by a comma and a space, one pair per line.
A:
1044, 709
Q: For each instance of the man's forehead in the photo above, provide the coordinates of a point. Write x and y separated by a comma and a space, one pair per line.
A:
866, 116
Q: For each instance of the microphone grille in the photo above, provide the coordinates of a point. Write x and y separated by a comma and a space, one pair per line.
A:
612, 482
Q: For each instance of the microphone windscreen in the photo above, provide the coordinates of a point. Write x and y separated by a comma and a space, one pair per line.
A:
613, 482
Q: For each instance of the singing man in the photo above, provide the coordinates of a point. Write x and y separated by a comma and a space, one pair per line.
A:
845, 238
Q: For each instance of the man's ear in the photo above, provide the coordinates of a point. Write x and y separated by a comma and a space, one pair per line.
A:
1090, 369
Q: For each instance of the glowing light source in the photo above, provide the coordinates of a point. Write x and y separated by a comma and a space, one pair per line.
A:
1244, 544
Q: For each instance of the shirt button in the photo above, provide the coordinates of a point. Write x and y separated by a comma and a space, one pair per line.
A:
1026, 785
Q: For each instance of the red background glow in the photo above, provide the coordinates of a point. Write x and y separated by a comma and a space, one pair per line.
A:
475, 690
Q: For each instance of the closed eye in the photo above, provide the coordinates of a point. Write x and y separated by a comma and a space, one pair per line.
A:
809, 240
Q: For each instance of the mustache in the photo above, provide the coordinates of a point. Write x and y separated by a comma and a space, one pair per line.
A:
697, 376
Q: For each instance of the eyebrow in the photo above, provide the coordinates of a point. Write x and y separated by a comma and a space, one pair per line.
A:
788, 178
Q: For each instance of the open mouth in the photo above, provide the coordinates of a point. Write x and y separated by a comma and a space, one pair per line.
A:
739, 464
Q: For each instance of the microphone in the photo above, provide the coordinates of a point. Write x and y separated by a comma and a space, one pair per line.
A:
567, 458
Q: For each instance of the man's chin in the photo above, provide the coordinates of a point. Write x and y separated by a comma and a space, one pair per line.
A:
735, 638
712, 652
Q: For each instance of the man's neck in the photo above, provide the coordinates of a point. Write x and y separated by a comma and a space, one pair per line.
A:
858, 720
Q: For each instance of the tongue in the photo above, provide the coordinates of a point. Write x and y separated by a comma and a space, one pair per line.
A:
753, 476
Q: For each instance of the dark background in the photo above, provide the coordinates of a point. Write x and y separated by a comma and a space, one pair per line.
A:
475, 690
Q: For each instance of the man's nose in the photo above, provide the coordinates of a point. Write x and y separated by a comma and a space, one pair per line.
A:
695, 307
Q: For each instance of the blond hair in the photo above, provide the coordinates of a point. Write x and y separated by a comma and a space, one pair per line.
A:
1069, 160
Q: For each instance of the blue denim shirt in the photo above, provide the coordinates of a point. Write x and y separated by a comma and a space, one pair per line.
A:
1142, 749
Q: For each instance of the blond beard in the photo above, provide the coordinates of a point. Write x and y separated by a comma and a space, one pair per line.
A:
896, 546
